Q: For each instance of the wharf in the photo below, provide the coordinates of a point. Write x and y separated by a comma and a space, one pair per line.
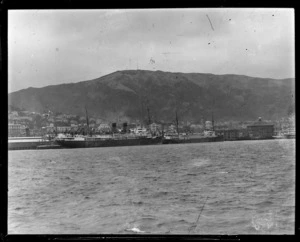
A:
49, 146
30, 143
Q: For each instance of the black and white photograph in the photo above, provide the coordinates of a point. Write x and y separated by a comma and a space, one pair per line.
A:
171, 121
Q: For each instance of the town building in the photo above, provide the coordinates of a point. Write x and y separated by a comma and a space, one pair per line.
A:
260, 130
49, 129
62, 129
57, 129
73, 122
17, 130
104, 127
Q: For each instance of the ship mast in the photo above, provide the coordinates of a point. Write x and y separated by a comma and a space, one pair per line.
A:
176, 120
148, 112
212, 121
87, 120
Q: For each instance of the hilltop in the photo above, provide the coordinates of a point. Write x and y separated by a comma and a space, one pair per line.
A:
127, 94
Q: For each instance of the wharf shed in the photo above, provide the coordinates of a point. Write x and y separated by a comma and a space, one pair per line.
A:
233, 134
261, 130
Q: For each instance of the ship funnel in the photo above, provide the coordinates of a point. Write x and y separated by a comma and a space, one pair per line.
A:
124, 127
114, 127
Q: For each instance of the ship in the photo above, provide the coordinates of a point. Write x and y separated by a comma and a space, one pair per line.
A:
108, 141
191, 138
139, 137
182, 138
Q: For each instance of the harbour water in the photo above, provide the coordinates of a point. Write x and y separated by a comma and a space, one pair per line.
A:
238, 187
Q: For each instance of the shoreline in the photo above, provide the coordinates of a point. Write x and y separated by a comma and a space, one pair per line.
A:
42, 144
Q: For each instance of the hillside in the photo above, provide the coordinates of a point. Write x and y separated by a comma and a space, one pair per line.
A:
126, 94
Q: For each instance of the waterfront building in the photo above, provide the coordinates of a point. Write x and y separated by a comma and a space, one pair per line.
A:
260, 130
17, 130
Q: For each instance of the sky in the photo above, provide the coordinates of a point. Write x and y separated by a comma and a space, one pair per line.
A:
50, 47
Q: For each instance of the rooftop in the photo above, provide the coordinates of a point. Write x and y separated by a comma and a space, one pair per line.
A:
260, 122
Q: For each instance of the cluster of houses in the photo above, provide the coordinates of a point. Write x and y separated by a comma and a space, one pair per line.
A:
257, 130
105, 128
18, 127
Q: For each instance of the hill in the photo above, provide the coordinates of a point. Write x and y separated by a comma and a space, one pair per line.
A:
127, 94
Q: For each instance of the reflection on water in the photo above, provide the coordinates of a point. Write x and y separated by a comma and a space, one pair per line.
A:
248, 186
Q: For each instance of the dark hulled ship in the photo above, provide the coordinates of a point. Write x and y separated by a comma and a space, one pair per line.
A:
111, 141
194, 138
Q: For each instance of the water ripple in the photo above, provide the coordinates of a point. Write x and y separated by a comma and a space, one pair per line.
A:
154, 189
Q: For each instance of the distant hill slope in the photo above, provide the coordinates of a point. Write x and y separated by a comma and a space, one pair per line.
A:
126, 94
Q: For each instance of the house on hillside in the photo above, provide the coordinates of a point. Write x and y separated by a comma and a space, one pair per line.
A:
73, 122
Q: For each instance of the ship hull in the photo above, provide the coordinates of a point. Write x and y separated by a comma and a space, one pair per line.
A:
108, 142
192, 140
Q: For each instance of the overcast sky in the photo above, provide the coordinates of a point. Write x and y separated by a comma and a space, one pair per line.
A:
47, 47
